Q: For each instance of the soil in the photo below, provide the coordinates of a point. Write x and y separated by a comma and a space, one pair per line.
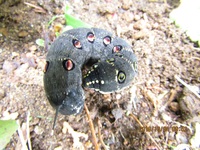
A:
156, 98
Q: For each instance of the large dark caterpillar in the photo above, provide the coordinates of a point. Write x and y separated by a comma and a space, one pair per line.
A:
114, 68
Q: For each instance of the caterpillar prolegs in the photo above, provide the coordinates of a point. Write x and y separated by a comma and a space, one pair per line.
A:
114, 68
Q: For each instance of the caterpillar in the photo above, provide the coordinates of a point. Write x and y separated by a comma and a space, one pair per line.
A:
114, 66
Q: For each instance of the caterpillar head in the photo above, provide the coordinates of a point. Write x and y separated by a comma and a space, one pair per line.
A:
109, 75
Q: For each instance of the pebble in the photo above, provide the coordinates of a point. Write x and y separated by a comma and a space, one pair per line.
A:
38, 130
117, 113
181, 137
2, 94
4, 32
140, 24
166, 117
9, 66
128, 16
137, 17
29, 58
174, 106
107, 97
144, 105
139, 35
155, 25
33, 48
110, 8
22, 34
22, 69
126, 4
14, 54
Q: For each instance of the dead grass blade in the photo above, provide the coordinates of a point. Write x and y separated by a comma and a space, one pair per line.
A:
187, 86
28, 131
24, 135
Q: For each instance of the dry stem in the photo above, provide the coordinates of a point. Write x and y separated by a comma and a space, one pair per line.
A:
91, 128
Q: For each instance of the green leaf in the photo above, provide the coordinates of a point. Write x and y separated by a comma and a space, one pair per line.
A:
7, 129
72, 21
40, 42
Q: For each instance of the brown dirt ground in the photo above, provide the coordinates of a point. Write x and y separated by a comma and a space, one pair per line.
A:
156, 98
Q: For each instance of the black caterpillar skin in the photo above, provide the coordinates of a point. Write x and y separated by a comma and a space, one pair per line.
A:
115, 67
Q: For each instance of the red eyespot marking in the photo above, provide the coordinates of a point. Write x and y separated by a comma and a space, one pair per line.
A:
107, 40
46, 67
77, 43
90, 37
68, 65
117, 48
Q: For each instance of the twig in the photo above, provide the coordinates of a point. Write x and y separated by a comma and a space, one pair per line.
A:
171, 98
92, 128
37, 8
100, 136
150, 96
187, 86
134, 117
